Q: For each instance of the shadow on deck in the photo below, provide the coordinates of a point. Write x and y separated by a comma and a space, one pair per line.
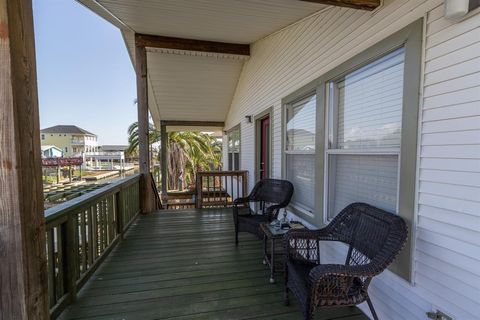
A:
184, 265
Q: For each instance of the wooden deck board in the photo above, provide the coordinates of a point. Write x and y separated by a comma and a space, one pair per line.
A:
184, 265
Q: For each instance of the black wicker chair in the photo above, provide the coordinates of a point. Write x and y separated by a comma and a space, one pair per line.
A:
374, 238
272, 195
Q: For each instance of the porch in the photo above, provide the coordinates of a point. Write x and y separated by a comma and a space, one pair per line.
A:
184, 265
239, 63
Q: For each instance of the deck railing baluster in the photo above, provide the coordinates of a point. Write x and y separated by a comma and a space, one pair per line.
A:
213, 188
81, 232
83, 240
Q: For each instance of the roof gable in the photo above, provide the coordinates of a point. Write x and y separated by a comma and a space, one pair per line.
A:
66, 129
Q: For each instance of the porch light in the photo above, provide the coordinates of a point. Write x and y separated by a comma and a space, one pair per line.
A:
456, 9
249, 119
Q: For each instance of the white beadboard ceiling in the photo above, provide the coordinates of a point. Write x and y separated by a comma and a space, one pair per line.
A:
235, 21
192, 86
195, 86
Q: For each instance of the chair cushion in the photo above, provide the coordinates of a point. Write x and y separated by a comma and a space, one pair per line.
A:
251, 223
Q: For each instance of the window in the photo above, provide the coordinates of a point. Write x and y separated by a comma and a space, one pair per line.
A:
300, 151
233, 138
371, 104
364, 134
43, 137
66, 149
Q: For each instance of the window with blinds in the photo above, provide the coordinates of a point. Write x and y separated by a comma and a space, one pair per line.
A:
300, 151
234, 148
364, 135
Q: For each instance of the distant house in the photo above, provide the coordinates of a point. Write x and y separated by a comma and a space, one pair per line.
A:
71, 139
49, 151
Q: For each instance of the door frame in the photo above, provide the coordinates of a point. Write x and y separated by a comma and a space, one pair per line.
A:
257, 138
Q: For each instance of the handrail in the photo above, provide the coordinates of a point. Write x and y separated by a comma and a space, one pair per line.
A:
80, 234
156, 195
220, 188
54, 212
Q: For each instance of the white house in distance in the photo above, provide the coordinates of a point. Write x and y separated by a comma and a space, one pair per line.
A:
393, 96
51, 152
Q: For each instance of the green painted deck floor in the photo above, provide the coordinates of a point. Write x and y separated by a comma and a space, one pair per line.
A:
184, 265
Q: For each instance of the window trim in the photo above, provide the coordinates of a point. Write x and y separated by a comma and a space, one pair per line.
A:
411, 37
229, 131
330, 116
301, 94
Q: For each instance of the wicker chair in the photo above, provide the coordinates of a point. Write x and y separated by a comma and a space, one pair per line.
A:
272, 195
374, 238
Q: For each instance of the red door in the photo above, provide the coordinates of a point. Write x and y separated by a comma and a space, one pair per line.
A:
264, 147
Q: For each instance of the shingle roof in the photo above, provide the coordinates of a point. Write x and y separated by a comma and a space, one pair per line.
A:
66, 129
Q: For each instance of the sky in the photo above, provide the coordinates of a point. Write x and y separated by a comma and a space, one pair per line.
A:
85, 76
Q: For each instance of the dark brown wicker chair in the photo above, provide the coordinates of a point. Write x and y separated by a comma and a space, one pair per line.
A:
272, 195
374, 238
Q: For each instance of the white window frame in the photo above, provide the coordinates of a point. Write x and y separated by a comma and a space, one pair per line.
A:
331, 114
229, 132
297, 207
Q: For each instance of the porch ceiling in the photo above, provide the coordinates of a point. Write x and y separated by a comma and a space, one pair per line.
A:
193, 86
216, 20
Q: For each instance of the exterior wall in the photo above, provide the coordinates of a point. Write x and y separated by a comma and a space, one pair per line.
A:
52, 153
447, 235
64, 140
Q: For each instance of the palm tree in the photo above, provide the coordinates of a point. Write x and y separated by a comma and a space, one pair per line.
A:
153, 136
188, 152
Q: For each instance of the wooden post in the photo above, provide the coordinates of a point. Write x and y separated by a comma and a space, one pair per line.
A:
146, 192
23, 267
70, 230
163, 158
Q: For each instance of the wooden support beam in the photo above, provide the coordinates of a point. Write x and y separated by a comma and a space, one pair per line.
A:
23, 264
181, 123
153, 41
163, 158
368, 5
147, 199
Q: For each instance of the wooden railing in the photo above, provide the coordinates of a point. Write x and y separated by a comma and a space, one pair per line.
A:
180, 200
80, 234
220, 188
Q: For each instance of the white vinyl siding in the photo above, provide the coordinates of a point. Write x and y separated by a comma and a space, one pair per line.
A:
447, 229
300, 152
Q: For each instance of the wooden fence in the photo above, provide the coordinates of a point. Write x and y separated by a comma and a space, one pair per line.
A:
80, 234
